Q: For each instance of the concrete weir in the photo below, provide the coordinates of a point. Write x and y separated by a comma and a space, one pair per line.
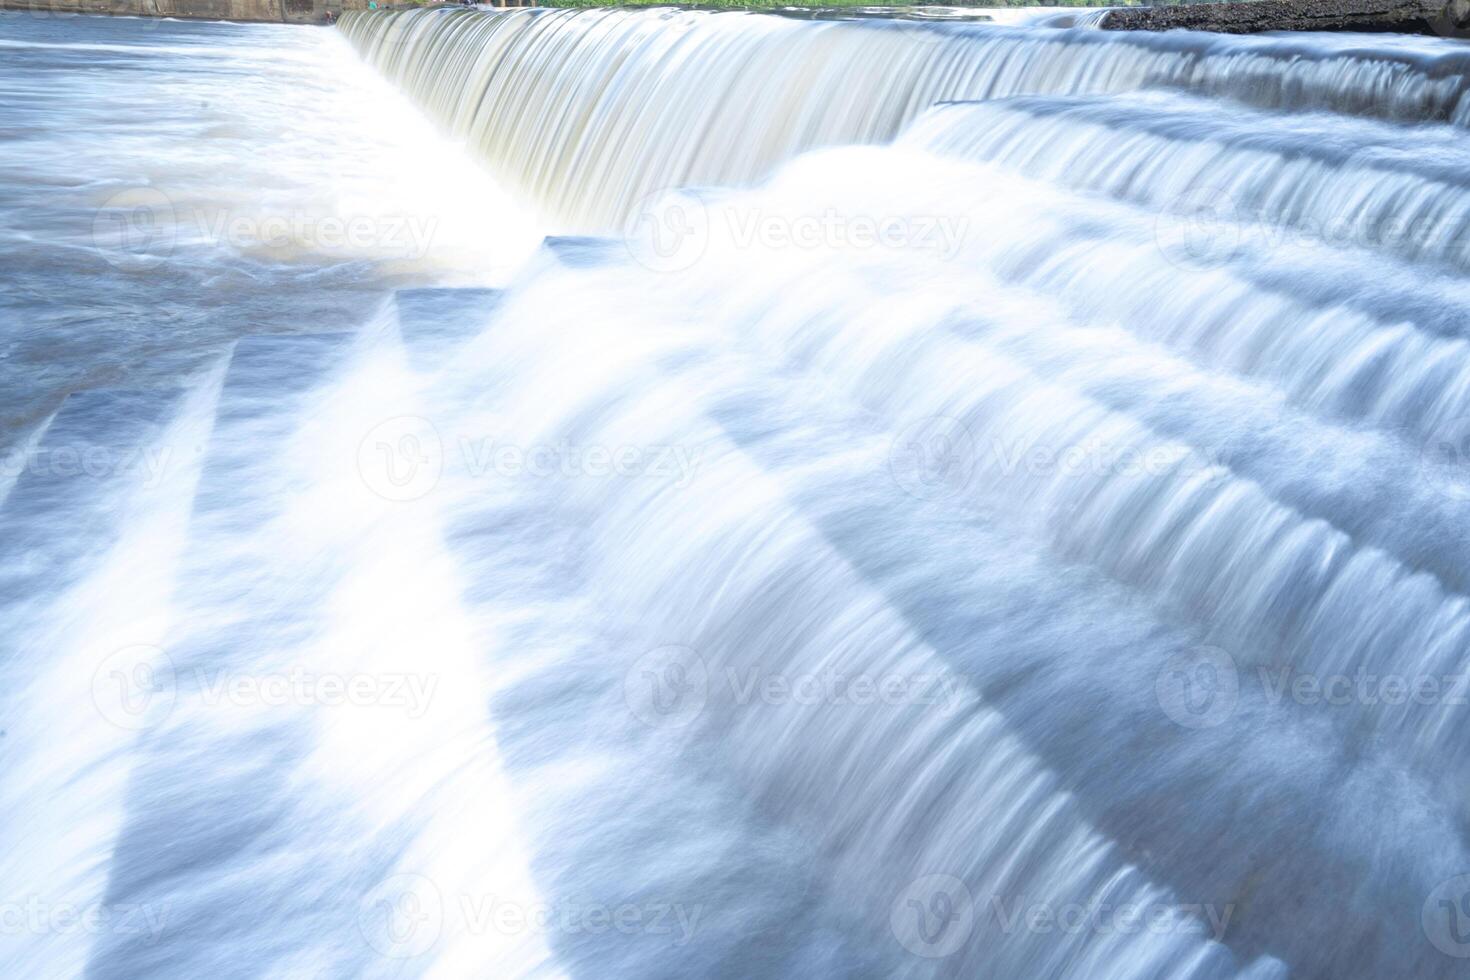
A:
273, 11
1448, 19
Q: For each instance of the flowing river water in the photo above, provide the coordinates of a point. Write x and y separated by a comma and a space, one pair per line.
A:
943, 501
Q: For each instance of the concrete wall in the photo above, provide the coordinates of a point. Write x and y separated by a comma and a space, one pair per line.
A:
277, 11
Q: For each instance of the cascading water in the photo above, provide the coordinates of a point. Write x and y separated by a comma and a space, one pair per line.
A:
588, 112
1029, 546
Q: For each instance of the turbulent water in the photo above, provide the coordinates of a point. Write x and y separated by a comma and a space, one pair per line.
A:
971, 501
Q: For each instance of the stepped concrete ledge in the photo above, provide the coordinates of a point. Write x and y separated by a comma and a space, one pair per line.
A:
67, 505
585, 251
433, 323
1447, 19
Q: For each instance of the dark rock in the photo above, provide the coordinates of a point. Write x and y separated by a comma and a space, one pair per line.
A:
1447, 18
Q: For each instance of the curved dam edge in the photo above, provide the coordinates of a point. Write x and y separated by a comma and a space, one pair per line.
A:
1447, 19
1436, 17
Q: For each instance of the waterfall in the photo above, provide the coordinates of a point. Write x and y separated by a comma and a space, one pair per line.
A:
1317, 175
1175, 322
588, 112
1122, 505
939, 500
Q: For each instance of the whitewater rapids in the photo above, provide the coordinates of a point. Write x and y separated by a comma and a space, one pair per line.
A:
943, 501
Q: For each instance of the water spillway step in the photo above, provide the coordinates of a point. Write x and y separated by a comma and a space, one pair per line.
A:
87, 549
266, 379
13, 460
1340, 182
1030, 677
584, 251
246, 599
432, 322
298, 657
532, 550
68, 500
280, 364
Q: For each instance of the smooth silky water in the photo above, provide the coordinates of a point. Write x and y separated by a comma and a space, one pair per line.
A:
886, 541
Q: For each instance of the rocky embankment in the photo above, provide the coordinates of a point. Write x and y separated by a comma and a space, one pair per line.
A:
1448, 19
